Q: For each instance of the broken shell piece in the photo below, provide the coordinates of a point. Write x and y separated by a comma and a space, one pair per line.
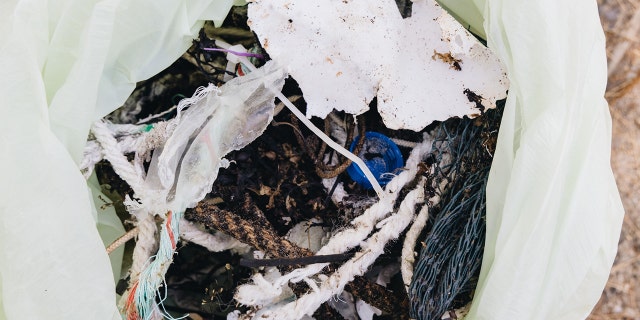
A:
345, 53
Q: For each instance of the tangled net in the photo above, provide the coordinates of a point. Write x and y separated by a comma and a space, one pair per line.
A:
446, 272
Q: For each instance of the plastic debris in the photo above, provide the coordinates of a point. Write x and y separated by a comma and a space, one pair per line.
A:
217, 121
345, 53
65, 65
571, 125
308, 234
450, 254
226, 119
553, 210
382, 157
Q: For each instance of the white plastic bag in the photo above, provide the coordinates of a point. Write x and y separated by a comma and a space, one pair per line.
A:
553, 209
64, 65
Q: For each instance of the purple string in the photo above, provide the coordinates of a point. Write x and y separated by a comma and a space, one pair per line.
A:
242, 54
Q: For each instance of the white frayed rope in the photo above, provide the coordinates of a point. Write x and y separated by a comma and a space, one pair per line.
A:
113, 153
129, 140
389, 229
408, 256
347, 239
148, 266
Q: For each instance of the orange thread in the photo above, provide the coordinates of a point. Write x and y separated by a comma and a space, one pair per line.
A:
239, 70
132, 313
170, 231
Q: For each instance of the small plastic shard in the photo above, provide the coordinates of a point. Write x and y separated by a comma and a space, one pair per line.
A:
345, 305
308, 234
345, 53
381, 155
366, 311
224, 119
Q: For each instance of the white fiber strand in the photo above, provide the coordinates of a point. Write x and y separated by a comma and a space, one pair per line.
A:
151, 278
120, 130
408, 257
155, 116
142, 143
92, 154
145, 244
410, 239
404, 143
200, 93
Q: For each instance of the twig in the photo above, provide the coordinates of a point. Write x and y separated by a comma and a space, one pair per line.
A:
622, 48
329, 171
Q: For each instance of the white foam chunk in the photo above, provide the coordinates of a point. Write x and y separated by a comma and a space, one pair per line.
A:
344, 53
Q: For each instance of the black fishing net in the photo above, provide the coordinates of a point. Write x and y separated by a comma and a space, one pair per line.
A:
445, 273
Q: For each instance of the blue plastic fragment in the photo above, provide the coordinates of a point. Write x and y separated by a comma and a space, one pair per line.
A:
381, 155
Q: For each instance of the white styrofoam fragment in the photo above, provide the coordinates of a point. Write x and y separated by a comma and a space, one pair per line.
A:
345, 53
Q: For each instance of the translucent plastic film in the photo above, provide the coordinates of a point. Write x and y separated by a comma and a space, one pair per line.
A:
225, 119
553, 209
65, 64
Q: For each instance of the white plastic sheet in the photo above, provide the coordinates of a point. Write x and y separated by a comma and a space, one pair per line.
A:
553, 209
65, 64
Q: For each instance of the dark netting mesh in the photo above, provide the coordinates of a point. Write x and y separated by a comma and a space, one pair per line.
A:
445, 274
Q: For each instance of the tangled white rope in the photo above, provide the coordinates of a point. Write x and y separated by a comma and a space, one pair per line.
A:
263, 292
113, 141
140, 139
145, 269
146, 242
112, 152
408, 255
389, 228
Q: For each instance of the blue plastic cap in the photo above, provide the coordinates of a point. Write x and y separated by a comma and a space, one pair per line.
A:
380, 154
